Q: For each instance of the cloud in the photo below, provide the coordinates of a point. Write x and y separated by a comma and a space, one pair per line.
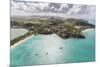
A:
45, 5
75, 9
31, 8
82, 10
63, 6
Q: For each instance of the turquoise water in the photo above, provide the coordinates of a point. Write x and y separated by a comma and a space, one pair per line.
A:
51, 49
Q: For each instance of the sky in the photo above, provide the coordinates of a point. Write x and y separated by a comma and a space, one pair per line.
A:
29, 8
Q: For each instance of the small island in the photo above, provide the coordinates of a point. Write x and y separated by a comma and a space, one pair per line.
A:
64, 28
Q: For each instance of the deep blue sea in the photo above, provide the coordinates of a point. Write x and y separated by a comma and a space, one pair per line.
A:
51, 49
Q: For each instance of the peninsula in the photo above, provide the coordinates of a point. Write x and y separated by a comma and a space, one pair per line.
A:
65, 28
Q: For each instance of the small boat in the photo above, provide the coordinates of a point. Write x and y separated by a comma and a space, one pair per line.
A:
46, 53
36, 54
61, 48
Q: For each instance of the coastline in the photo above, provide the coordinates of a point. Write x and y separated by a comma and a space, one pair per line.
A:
18, 31
21, 41
87, 30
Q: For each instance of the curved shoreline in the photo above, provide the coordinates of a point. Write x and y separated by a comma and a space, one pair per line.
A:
87, 30
13, 46
18, 31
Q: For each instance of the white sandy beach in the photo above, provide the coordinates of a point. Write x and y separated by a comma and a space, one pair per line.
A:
87, 30
21, 41
17, 32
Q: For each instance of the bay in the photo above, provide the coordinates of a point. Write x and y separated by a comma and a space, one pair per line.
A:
51, 49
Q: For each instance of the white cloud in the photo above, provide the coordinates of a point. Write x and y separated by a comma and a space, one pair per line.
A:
42, 6
63, 6
30, 8
75, 9
91, 10
82, 10
21, 8
14, 5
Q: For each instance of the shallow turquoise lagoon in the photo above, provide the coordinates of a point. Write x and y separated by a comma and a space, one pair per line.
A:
51, 49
